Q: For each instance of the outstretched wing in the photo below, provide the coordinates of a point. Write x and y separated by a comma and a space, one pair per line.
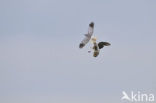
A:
102, 44
87, 36
91, 29
84, 41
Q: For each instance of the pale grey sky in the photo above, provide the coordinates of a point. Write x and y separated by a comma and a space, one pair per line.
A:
40, 60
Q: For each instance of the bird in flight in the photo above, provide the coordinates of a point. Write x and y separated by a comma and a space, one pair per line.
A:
87, 36
96, 46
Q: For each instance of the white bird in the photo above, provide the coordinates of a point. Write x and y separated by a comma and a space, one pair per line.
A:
87, 36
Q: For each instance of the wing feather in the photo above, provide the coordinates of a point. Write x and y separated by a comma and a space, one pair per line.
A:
87, 36
91, 29
102, 44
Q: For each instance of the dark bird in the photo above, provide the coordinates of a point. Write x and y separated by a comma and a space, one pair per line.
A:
97, 47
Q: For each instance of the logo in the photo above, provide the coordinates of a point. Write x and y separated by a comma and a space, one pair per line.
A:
137, 97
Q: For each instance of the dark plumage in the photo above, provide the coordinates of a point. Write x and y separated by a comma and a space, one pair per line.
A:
102, 44
91, 24
81, 45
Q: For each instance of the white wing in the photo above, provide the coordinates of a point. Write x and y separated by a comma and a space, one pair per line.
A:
91, 29
87, 36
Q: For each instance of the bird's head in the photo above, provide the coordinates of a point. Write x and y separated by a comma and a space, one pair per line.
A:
94, 39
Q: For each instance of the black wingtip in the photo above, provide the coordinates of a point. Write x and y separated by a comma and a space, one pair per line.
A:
81, 45
91, 24
107, 44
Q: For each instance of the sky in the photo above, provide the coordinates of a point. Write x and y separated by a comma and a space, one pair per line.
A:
40, 59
